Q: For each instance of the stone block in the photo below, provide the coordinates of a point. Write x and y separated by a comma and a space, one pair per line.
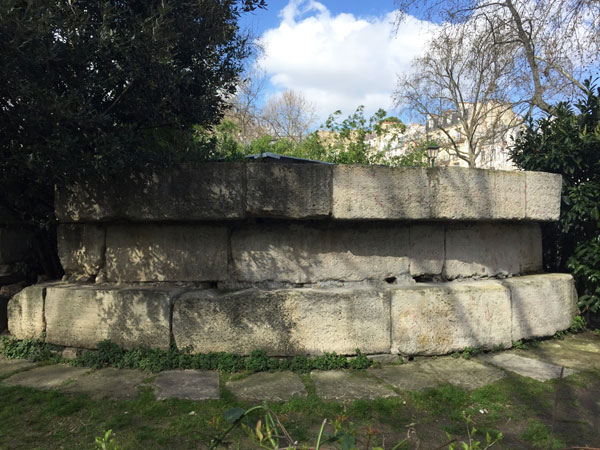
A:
83, 315
294, 191
211, 191
482, 250
283, 322
541, 304
435, 319
459, 193
274, 387
15, 244
298, 253
426, 249
372, 192
531, 248
543, 194
81, 248
26, 313
166, 252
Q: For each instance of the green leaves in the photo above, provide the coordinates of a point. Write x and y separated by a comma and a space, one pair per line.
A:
568, 143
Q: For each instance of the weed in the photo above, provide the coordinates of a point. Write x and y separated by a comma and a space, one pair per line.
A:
540, 436
472, 443
106, 442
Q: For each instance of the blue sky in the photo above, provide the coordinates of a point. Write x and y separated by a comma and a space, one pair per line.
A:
337, 54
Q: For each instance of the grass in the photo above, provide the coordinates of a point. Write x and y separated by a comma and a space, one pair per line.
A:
519, 407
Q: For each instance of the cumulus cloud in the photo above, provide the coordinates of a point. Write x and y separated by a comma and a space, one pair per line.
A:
340, 61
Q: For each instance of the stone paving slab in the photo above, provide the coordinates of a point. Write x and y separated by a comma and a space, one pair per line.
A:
527, 367
342, 385
187, 384
277, 387
428, 373
8, 366
579, 352
46, 377
110, 382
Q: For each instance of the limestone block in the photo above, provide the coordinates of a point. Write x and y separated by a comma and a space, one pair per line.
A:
81, 248
541, 304
283, 322
26, 313
435, 319
426, 249
371, 192
82, 315
15, 243
543, 194
482, 250
297, 253
295, 191
458, 193
531, 248
203, 192
166, 252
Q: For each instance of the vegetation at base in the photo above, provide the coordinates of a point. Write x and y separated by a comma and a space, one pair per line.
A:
110, 354
568, 143
49, 420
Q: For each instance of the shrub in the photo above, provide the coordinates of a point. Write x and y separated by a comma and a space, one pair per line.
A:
568, 143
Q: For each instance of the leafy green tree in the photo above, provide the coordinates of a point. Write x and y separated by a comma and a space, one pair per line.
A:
105, 87
568, 143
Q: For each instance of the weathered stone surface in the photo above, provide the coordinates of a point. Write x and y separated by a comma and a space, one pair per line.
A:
543, 192
276, 387
372, 192
431, 372
492, 250
465, 373
475, 194
81, 248
342, 385
9, 366
527, 367
295, 191
211, 191
435, 319
15, 243
83, 315
579, 352
187, 384
306, 254
26, 313
541, 304
166, 252
283, 322
111, 383
427, 251
530, 260
46, 377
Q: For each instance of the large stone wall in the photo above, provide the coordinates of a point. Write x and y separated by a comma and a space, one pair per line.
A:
419, 319
303, 258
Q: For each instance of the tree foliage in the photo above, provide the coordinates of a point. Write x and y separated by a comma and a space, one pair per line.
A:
569, 144
104, 87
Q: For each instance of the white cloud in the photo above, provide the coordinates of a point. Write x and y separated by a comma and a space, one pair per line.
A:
341, 61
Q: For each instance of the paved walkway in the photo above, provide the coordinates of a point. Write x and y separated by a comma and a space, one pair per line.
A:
574, 353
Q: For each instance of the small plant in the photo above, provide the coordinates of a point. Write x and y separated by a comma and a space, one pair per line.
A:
106, 442
469, 352
578, 325
472, 443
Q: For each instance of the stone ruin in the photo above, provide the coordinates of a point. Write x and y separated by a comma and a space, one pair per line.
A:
303, 259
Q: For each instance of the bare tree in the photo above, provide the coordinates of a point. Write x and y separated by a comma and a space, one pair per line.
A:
460, 87
553, 42
244, 110
289, 116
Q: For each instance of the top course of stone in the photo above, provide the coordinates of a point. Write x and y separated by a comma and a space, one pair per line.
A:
233, 191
